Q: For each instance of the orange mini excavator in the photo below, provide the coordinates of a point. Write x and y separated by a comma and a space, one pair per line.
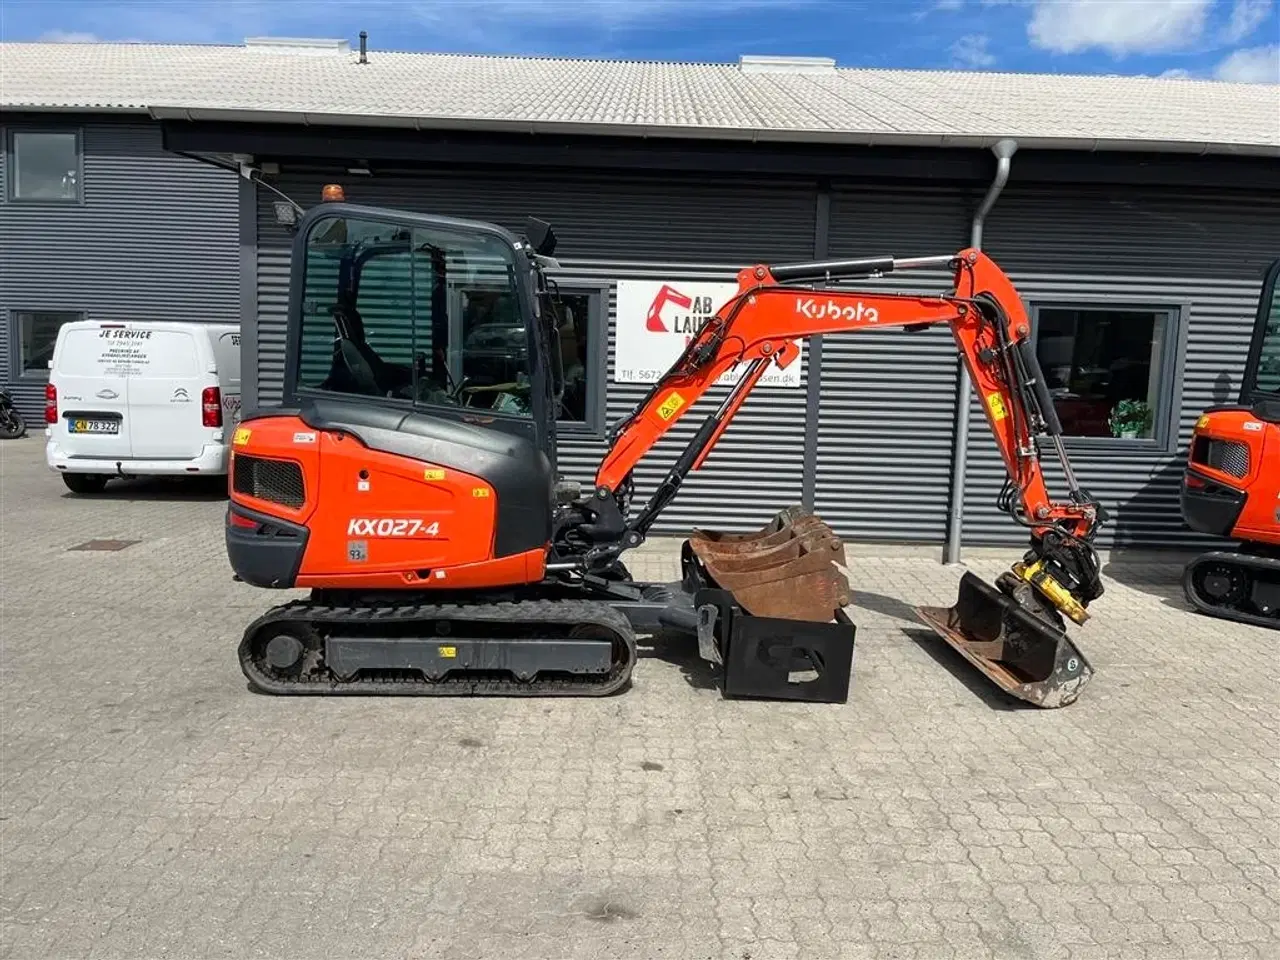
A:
1231, 486
410, 481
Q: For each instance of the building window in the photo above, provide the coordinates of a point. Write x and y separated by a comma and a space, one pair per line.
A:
582, 338
44, 166
36, 333
1109, 369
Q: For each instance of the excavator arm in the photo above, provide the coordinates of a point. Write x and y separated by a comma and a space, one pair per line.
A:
763, 321
775, 307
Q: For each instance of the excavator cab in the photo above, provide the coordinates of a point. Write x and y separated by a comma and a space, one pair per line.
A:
1231, 484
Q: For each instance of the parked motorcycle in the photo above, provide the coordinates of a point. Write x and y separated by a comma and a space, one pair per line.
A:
12, 426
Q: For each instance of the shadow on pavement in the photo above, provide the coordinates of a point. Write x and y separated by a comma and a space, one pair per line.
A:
158, 489
1160, 578
885, 606
680, 650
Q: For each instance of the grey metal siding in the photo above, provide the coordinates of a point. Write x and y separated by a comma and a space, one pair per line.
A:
611, 229
887, 415
1204, 250
155, 238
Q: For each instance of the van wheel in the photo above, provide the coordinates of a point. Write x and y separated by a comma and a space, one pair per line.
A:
85, 482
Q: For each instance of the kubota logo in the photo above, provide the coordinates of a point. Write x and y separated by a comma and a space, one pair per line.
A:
854, 312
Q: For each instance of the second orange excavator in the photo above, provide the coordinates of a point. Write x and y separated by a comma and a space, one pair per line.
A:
1231, 485
410, 481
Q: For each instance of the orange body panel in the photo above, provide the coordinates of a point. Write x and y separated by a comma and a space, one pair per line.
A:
382, 521
1259, 522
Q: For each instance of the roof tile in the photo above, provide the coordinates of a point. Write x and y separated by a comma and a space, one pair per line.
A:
619, 97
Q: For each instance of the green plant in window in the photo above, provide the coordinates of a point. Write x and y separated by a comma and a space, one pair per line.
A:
1130, 418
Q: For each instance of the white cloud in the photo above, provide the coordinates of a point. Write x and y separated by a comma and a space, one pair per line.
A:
67, 36
1251, 65
971, 51
1176, 73
1118, 26
1246, 17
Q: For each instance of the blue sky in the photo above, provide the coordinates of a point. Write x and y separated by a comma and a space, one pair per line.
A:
1222, 39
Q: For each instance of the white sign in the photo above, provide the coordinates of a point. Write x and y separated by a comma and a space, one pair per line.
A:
656, 321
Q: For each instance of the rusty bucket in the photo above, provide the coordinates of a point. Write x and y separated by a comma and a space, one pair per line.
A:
786, 569
1022, 653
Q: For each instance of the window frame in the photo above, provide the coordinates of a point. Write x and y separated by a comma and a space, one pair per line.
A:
16, 371
11, 165
1168, 413
1249, 392
294, 391
592, 426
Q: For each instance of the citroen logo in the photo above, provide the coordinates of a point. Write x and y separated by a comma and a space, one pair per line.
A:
107, 394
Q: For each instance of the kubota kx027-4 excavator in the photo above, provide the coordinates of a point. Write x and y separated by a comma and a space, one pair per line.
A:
410, 481
1231, 485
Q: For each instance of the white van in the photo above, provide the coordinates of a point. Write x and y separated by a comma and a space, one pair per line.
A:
139, 399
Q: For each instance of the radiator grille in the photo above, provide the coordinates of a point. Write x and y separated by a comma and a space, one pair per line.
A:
276, 481
1229, 456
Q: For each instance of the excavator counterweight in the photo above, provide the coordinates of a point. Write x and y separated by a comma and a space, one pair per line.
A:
410, 480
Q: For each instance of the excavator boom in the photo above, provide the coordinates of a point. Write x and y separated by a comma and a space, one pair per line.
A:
1013, 634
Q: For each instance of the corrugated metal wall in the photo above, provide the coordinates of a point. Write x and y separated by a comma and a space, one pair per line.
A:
1207, 252
612, 229
156, 238
886, 412
886, 424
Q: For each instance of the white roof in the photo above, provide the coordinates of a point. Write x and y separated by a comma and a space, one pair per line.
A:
317, 82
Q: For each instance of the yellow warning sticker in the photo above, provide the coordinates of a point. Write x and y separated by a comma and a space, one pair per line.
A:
1202, 422
241, 437
670, 406
480, 491
995, 403
449, 652
433, 473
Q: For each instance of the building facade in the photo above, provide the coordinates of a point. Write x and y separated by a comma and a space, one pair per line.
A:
1136, 223
99, 222
1141, 278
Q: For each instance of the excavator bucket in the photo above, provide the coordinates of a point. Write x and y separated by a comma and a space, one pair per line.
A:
775, 600
1021, 653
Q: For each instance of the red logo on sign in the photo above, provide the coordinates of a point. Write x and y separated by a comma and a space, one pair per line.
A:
667, 295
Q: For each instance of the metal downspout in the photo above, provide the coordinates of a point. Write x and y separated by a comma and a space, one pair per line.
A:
1004, 151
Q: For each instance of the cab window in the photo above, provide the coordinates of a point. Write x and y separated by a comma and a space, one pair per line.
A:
1267, 379
423, 314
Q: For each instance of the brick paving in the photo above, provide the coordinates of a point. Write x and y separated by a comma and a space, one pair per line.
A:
150, 806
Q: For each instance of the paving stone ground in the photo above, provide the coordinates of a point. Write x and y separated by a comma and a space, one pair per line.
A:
150, 806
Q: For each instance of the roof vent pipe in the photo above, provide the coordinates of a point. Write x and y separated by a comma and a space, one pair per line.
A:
1004, 151
364, 46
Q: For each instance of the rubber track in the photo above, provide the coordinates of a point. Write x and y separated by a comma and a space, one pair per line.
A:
315, 617
1245, 561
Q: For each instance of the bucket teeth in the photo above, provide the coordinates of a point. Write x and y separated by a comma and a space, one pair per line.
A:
1020, 652
787, 569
